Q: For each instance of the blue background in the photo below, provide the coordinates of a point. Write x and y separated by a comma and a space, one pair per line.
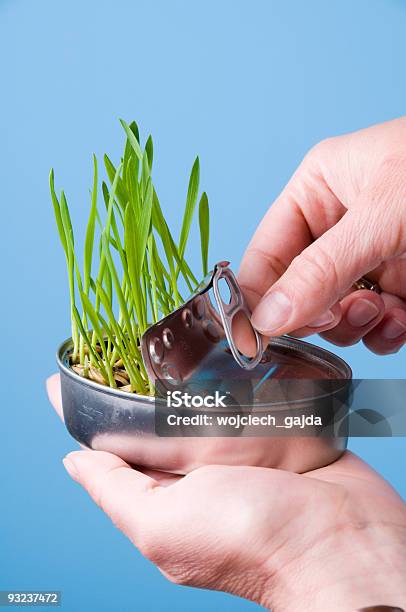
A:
250, 86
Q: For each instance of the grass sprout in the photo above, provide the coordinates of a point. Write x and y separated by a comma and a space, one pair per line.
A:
132, 270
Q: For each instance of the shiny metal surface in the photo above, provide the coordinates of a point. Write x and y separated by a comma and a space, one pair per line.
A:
107, 419
174, 347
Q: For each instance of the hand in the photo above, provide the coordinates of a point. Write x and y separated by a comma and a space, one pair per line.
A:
333, 539
341, 216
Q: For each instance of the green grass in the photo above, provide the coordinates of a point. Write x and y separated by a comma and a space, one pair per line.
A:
133, 269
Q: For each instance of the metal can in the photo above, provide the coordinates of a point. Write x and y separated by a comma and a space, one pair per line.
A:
103, 418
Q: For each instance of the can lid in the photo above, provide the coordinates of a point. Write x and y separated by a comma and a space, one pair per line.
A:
203, 338
179, 344
291, 373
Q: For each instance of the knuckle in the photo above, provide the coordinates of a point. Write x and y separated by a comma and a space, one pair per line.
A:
182, 566
393, 162
207, 573
181, 577
385, 199
272, 261
148, 545
318, 150
315, 267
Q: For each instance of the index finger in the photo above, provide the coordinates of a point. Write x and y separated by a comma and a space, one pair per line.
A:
305, 209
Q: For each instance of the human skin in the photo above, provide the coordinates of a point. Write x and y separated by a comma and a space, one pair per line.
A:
341, 216
332, 539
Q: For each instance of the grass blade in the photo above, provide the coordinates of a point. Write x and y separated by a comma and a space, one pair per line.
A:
57, 212
120, 190
149, 149
128, 152
89, 241
91, 313
191, 200
132, 139
132, 266
204, 225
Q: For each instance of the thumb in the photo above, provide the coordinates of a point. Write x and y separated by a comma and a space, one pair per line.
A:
114, 486
318, 277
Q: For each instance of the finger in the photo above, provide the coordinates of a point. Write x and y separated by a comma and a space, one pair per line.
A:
326, 321
369, 233
53, 385
361, 312
243, 335
393, 301
305, 209
267, 257
319, 276
390, 335
123, 494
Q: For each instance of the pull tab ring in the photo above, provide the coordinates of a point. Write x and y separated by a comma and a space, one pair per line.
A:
227, 314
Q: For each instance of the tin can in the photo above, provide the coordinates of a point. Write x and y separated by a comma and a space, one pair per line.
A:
107, 419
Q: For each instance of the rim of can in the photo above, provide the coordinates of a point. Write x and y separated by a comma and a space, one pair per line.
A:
319, 354
322, 356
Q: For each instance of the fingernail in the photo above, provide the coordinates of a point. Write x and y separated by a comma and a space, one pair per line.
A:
70, 468
325, 319
272, 312
393, 329
361, 312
